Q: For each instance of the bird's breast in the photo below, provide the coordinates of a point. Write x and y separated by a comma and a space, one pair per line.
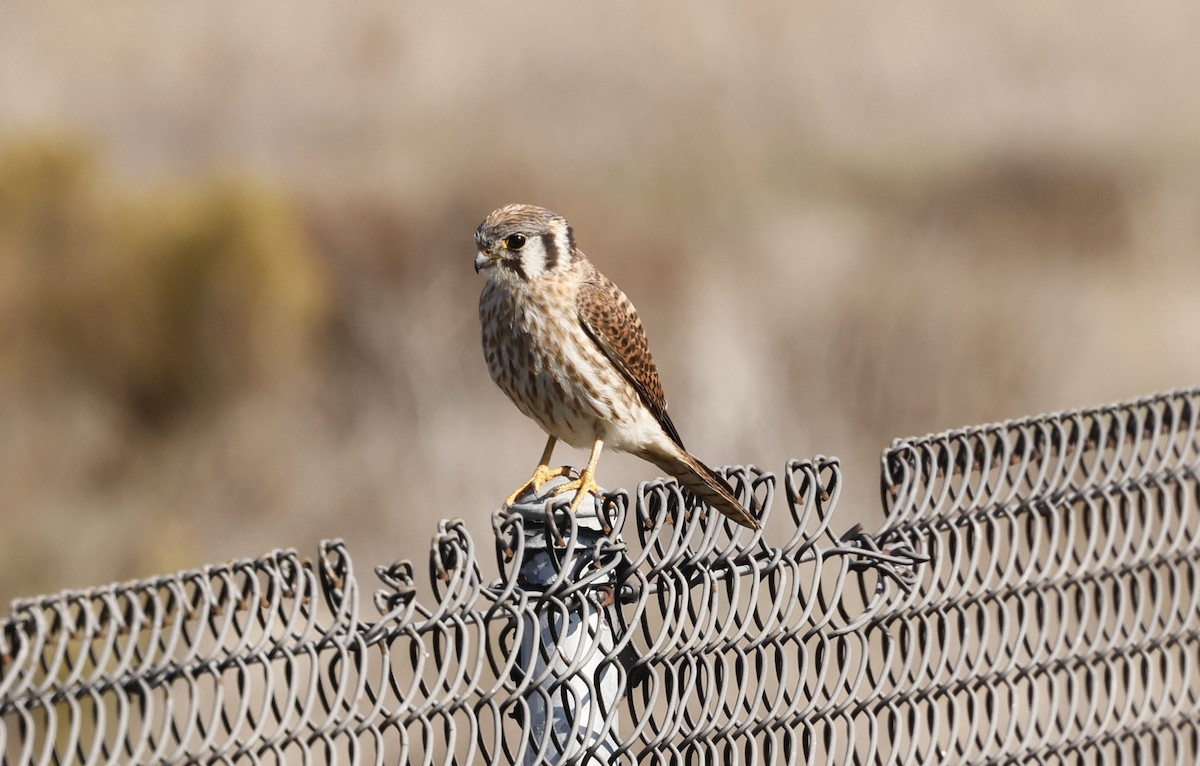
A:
538, 354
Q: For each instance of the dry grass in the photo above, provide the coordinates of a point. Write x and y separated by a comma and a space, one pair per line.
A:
236, 303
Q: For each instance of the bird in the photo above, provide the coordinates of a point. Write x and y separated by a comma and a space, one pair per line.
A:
568, 348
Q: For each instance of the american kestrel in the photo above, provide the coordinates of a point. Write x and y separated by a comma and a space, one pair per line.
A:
568, 348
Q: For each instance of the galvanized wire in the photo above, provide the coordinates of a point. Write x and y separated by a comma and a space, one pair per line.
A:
1030, 598
1059, 618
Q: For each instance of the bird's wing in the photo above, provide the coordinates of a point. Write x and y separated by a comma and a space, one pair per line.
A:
610, 320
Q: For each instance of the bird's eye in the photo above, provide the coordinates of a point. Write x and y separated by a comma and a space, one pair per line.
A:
514, 241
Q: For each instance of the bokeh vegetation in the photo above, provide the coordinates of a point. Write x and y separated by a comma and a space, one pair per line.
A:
165, 301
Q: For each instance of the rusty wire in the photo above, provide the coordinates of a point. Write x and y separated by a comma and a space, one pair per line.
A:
1031, 597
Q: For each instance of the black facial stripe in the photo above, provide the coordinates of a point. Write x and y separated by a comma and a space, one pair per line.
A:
514, 265
551, 248
571, 244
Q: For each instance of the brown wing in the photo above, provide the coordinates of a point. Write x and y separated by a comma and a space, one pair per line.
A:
610, 320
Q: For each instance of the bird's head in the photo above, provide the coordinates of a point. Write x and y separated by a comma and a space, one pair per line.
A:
523, 242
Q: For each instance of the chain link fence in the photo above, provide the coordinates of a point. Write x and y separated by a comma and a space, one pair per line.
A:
1031, 597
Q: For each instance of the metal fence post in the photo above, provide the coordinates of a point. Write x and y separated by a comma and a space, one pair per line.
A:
566, 642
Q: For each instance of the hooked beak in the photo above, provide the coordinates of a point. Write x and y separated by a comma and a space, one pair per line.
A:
484, 259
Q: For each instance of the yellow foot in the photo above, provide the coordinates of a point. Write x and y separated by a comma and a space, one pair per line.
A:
541, 475
585, 485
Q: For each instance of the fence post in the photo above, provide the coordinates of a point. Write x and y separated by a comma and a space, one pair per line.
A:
572, 689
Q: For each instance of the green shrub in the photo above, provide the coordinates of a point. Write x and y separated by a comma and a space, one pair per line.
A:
165, 300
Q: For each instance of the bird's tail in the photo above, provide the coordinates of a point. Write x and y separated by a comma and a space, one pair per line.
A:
703, 482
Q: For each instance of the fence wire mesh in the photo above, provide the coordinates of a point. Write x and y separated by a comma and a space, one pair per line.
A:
1030, 598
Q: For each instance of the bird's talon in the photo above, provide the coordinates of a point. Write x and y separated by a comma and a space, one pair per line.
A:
583, 486
541, 475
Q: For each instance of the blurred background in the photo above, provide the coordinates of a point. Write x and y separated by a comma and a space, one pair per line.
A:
237, 306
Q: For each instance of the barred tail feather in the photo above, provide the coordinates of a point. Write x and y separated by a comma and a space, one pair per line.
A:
704, 483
